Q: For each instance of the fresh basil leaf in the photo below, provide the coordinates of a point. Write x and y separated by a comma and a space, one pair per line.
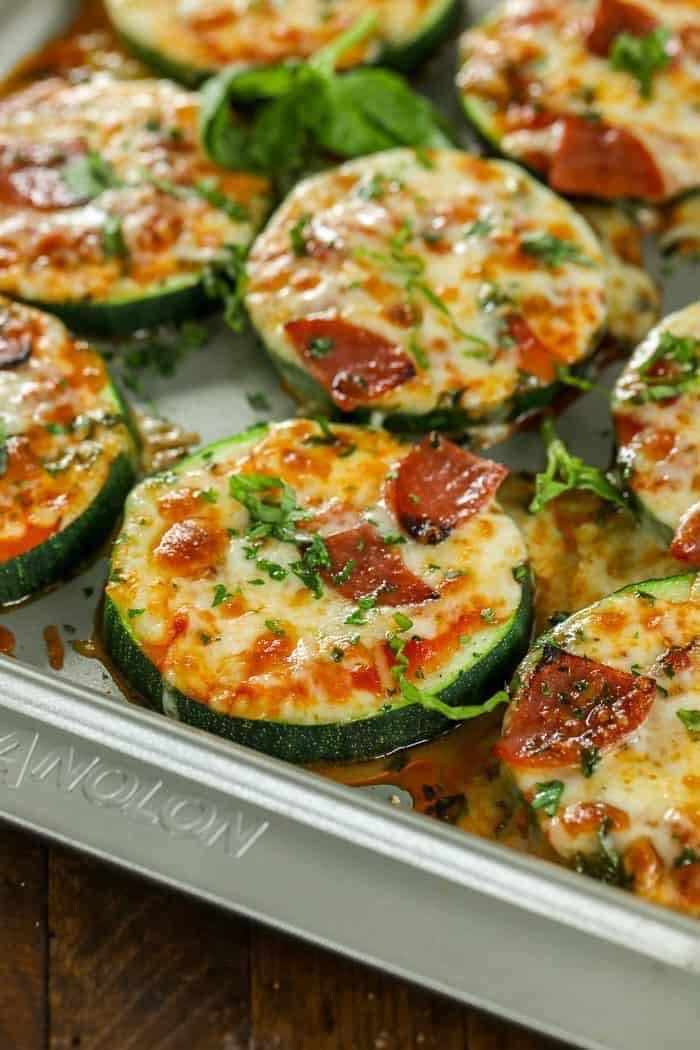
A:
276, 121
566, 473
369, 110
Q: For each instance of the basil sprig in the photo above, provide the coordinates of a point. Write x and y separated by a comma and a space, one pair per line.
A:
282, 119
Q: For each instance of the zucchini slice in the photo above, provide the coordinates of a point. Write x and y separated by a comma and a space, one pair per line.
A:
602, 735
110, 214
318, 593
192, 41
437, 289
656, 405
67, 455
559, 87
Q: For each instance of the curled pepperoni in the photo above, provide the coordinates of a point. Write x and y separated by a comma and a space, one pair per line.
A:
362, 564
439, 485
533, 356
15, 341
354, 364
686, 543
613, 17
595, 159
569, 705
31, 174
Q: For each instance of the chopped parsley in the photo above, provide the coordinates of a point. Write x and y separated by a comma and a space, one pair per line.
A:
641, 56
590, 760
686, 858
479, 228
553, 251
565, 473
298, 235
547, 796
133, 613
488, 615
690, 717
359, 615
274, 513
680, 359
337, 654
393, 539
319, 346
221, 594
274, 627
403, 622
113, 242
209, 496
259, 401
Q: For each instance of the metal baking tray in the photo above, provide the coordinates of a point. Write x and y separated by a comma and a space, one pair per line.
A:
515, 935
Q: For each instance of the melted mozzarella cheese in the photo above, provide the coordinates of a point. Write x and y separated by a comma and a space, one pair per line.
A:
326, 668
429, 255
661, 458
63, 430
644, 793
210, 34
145, 132
532, 55
580, 549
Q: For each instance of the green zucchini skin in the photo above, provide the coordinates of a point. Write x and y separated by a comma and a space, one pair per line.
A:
441, 20
123, 317
48, 563
334, 741
300, 385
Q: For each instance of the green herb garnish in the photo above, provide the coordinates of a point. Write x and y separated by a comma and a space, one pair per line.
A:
547, 796
690, 717
641, 56
553, 251
565, 473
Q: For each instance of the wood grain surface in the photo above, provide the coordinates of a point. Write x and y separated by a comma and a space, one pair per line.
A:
94, 959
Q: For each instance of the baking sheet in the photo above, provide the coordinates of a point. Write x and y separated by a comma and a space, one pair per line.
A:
465, 916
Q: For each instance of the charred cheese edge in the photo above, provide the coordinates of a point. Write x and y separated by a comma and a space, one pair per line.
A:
631, 813
191, 39
533, 66
475, 277
67, 455
230, 637
657, 417
108, 207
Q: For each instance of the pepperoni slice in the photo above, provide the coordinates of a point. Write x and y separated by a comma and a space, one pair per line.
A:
439, 485
354, 364
686, 543
31, 174
571, 704
362, 564
613, 17
533, 356
15, 342
595, 159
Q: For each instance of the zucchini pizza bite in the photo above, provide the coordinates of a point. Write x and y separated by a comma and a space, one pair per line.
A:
601, 738
319, 593
67, 455
435, 289
656, 406
599, 96
192, 39
110, 213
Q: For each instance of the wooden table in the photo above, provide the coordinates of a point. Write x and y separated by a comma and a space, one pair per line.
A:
95, 959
